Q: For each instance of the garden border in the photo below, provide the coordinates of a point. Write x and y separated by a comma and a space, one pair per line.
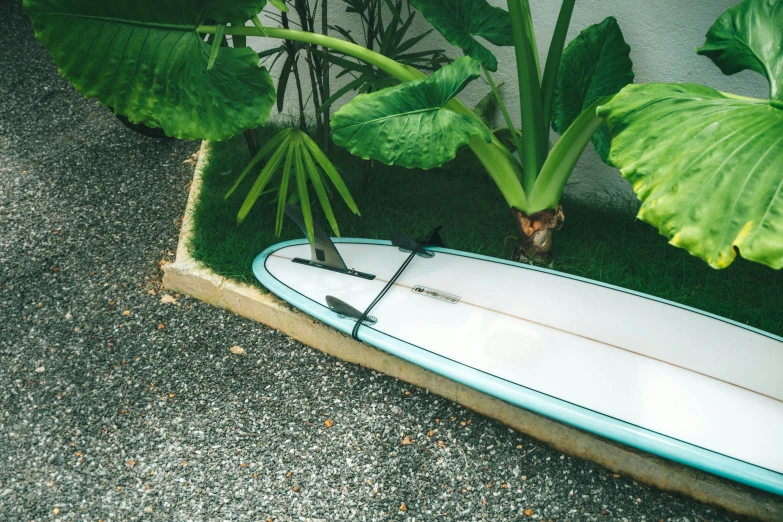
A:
186, 276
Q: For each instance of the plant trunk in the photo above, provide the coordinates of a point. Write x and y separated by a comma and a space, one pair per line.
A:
325, 73
295, 69
367, 172
535, 234
253, 143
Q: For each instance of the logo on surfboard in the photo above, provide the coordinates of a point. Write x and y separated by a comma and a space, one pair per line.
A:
435, 294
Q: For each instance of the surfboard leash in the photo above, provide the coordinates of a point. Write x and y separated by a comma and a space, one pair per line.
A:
397, 274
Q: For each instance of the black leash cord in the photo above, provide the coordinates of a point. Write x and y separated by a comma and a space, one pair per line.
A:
383, 292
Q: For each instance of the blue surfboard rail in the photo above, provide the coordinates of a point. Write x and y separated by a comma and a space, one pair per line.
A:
548, 406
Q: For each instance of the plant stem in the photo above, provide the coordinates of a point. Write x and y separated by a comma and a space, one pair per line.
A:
294, 69
396, 69
251, 136
502, 172
534, 135
553, 59
561, 161
217, 43
325, 72
502, 106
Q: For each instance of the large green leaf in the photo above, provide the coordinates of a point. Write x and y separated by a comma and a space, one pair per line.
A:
708, 167
749, 36
460, 21
408, 124
595, 64
145, 59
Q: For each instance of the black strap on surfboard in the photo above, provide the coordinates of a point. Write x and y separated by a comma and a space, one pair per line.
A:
416, 248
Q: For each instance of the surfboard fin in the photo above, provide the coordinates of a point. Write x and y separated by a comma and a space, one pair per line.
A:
346, 311
322, 250
408, 244
323, 253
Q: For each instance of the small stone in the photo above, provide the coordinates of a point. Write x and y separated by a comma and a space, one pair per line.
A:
56, 511
328, 423
295, 489
40, 369
529, 512
167, 299
161, 326
403, 507
237, 350
126, 312
68, 316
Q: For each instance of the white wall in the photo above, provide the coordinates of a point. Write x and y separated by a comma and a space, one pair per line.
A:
662, 35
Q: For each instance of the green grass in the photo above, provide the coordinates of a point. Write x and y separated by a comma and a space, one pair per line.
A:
607, 246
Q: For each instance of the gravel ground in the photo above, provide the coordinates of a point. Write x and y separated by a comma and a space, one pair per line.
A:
117, 406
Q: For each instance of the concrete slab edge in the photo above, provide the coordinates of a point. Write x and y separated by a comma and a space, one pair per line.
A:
186, 276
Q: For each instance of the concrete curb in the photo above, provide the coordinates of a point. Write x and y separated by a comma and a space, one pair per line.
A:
185, 276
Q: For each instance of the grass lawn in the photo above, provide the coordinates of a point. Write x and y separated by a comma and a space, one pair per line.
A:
603, 245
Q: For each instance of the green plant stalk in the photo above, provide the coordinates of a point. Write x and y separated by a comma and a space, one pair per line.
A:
557, 169
326, 80
502, 172
263, 178
502, 106
498, 163
553, 59
320, 190
291, 150
269, 146
534, 135
304, 196
216, 43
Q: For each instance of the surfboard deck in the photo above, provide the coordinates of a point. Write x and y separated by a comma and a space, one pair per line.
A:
674, 381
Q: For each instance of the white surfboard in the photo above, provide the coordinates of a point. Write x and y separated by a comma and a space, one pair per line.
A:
671, 380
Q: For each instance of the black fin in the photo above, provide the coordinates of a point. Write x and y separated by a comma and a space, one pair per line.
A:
322, 250
407, 244
343, 309
433, 238
399, 239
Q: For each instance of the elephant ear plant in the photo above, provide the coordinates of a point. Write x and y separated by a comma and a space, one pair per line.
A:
421, 124
708, 165
149, 61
